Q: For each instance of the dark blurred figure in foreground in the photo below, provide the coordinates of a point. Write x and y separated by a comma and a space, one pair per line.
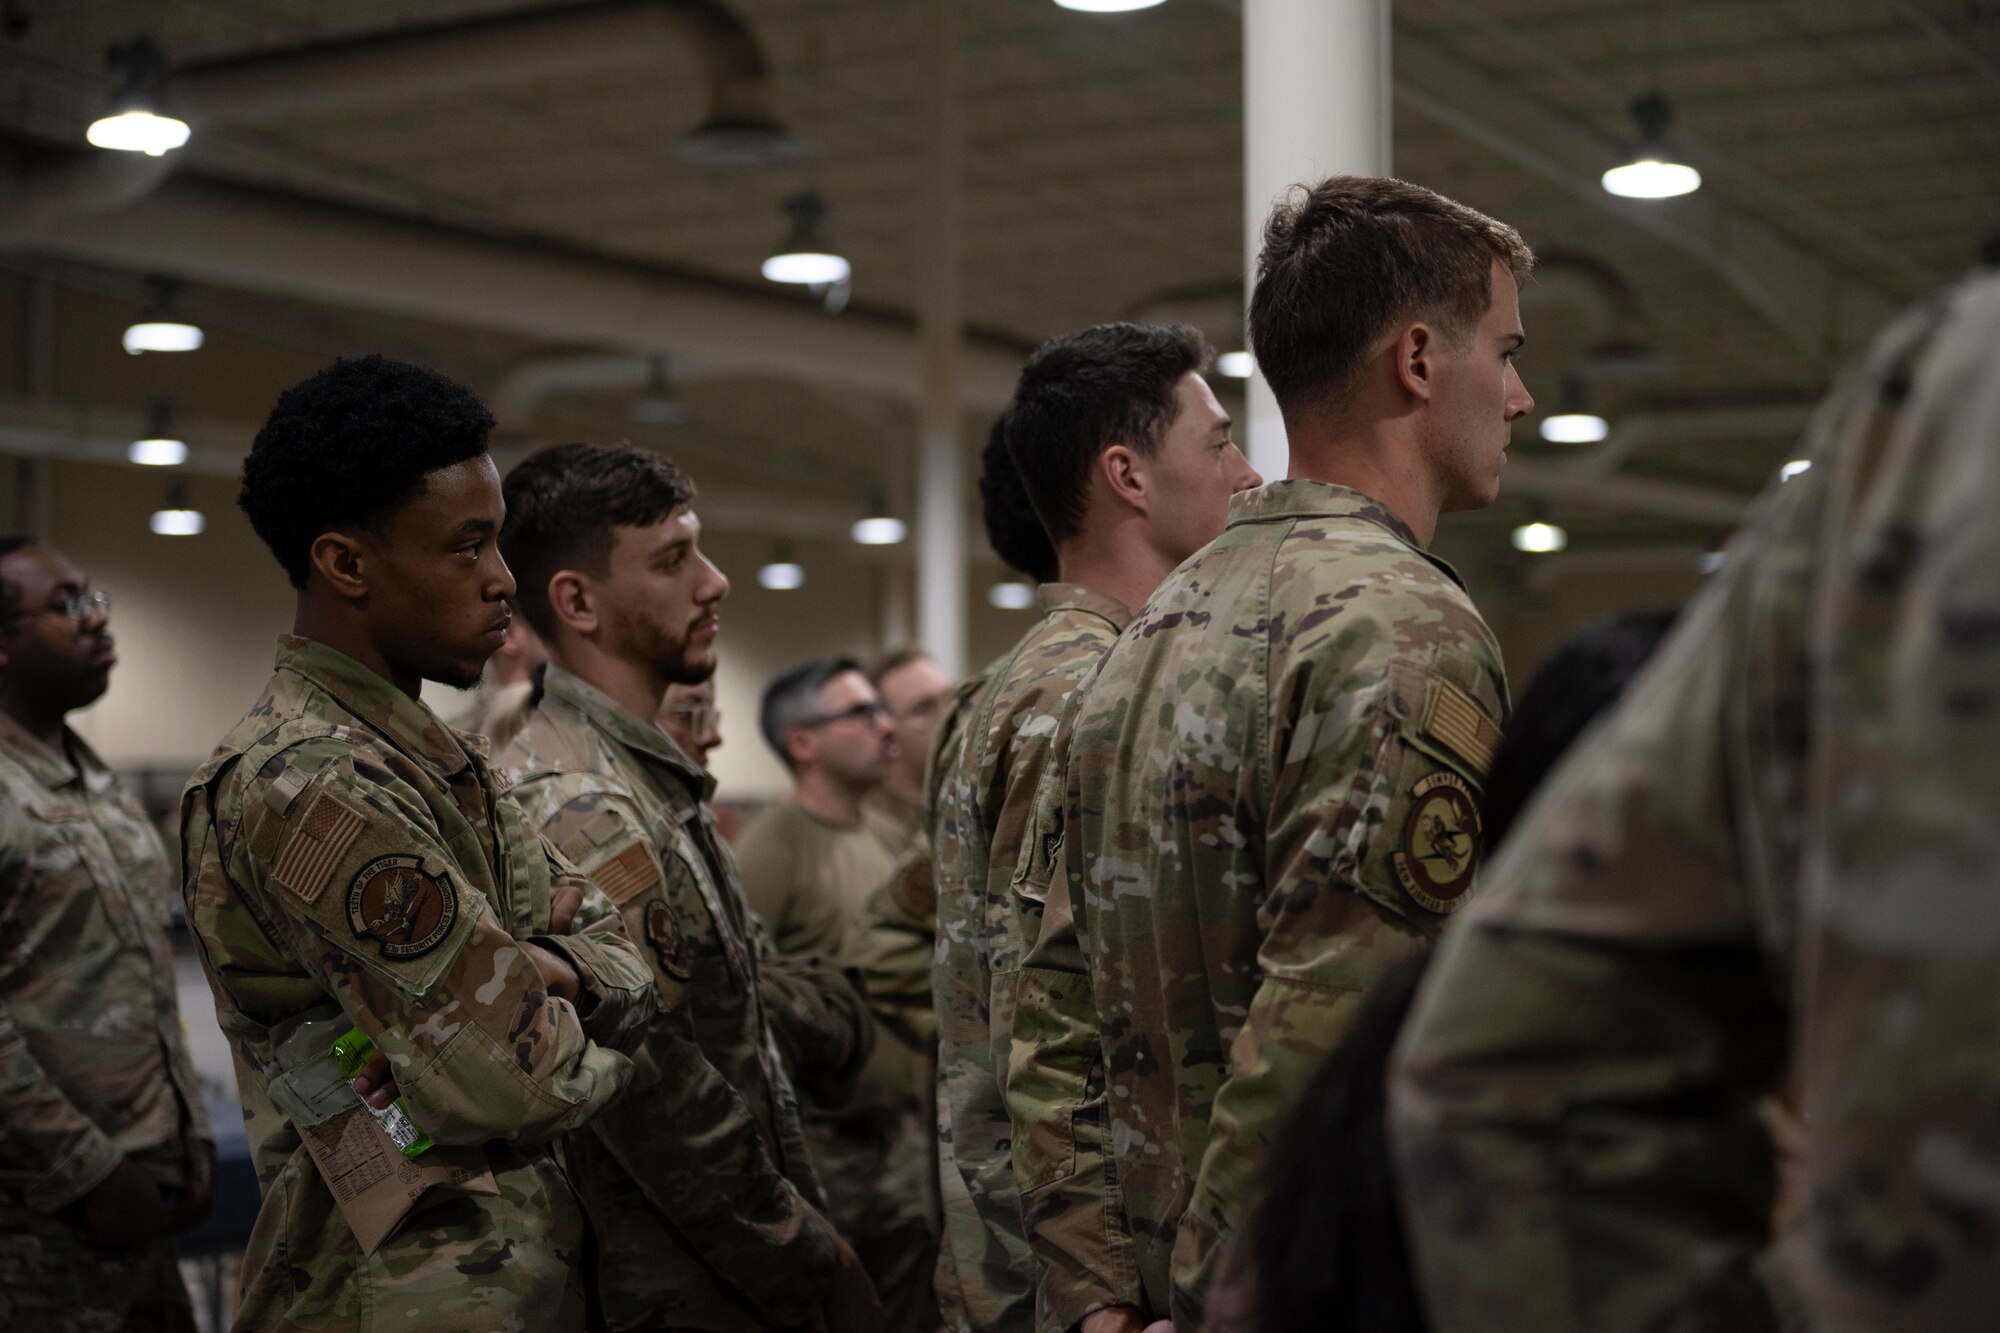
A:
1782, 849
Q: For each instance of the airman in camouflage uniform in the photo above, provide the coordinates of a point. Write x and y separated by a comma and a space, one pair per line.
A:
1272, 782
1125, 452
350, 862
96, 1091
1783, 847
336, 794
983, 825
700, 1182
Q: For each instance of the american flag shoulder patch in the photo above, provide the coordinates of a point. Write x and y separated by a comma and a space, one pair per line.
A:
1456, 722
306, 861
627, 875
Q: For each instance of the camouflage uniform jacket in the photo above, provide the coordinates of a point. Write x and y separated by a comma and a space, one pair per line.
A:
1783, 844
984, 821
348, 854
698, 1181
1272, 795
93, 1067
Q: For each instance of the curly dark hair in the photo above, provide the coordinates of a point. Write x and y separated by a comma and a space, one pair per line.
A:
1084, 392
562, 504
1013, 530
350, 446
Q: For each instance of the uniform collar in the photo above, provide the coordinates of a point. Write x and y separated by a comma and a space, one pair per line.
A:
1299, 498
563, 690
50, 768
409, 725
1075, 597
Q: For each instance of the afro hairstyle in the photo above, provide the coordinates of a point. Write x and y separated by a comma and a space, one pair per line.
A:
350, 446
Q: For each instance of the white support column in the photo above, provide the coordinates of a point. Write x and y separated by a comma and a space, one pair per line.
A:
940, 553
1315, 104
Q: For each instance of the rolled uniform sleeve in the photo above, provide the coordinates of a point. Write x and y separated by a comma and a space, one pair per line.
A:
353, 870
1372, 837
711, 1175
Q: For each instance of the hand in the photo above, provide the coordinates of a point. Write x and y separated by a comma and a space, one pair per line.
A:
558, 977
375, 1082
199, 1193
1114, 1319
564, 899
850, 1304
126, 1208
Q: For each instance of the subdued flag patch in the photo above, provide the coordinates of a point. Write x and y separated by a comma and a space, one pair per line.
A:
1456, 722
627, 875
305, 863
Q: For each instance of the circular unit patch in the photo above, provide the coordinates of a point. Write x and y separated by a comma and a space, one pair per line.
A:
663, 932
398, 904
1440, 842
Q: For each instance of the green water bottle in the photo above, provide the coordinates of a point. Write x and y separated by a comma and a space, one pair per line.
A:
353, 1050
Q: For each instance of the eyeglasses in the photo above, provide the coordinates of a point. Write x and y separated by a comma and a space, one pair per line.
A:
873, 710
78, 606
699, 717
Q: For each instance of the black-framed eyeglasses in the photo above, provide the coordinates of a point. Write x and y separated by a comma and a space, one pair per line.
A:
873, 710
78, 606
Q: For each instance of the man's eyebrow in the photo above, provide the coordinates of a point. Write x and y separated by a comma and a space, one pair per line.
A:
1518, 340
474, 527
1224, 423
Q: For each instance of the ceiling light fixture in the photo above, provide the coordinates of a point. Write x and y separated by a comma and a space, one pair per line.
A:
1652, 173
1107, 6
1011, 596
161, 447
805, 258
1539, 538
1793, 468
161, 329
658, 406
1235, 365
1575, 428
781, 573
880, 530
177, 518
135, 122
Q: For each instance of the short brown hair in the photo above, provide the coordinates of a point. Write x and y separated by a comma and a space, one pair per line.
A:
1348, 259
562, 504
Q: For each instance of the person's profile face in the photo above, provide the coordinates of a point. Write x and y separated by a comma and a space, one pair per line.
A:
1479, 395
849, 736
689, 715
55, 641
916, 693
660, 595
438, 593
1193, 472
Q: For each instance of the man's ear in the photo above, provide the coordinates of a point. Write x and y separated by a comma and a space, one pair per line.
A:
574, 602
1416, 354
1124, 472
342, 561
801, 746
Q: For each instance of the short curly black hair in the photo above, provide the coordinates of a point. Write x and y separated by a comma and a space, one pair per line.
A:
1013, 529
350, 446
1084, 392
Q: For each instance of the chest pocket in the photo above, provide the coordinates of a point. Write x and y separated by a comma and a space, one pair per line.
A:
78, 849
